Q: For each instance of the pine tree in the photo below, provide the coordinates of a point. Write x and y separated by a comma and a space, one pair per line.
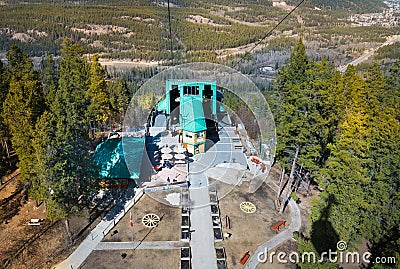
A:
122, 96
22, 107
62, 140
384, 167
361, 176
50, 79
99, 108
4, 133
362, 171
293, 105
301, 126
119, 99
392, 89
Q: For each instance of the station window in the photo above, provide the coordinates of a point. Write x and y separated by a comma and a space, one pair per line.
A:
200, 135
191, 90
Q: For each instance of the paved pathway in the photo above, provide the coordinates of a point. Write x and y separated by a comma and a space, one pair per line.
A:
140, 245
280, 238
202, 236
96, 235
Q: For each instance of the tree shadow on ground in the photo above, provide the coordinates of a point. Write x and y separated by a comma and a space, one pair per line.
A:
324, 236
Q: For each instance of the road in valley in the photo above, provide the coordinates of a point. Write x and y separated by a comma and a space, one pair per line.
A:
369, 53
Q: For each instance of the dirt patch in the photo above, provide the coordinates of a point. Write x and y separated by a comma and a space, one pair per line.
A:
26, 246
202, 20
29, 246
101, 29
22, 37
9, 185
283, 5
248, 230
168, 228
139, 258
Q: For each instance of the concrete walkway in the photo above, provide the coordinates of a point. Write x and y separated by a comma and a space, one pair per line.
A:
96, 235
141, 245
202, 236
280, 238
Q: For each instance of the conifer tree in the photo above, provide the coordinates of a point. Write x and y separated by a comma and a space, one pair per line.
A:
99, 106
62, 140
293, 105
119, 98
4, 133
300, 123
22, 107
50, 79
361, 176
362, 171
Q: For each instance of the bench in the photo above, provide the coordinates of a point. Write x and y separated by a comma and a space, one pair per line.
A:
236, 140
35, 222
278, 225
244, 259
238, 145
228, 222
255, 160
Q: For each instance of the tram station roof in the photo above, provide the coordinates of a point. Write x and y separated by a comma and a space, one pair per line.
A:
192, 115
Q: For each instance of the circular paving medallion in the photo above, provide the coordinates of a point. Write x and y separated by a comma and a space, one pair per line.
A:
150, 220
248, 207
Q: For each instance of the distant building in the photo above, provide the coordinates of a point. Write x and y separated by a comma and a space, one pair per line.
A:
267, 70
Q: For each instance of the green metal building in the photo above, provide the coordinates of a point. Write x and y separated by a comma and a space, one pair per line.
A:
188, 104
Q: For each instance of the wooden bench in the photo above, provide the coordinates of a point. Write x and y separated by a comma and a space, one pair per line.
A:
238, 146
35, 222
236, 140
244, 259
255, 160
228, 222
278, 225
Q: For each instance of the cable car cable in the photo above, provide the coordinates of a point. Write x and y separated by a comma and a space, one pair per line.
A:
269, 32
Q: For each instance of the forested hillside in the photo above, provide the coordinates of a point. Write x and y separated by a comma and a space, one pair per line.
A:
365, 6
139, 30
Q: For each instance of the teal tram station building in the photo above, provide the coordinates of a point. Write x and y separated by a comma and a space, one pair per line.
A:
188, 107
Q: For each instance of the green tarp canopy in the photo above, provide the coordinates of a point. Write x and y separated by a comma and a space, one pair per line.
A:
110, 158
192, 115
